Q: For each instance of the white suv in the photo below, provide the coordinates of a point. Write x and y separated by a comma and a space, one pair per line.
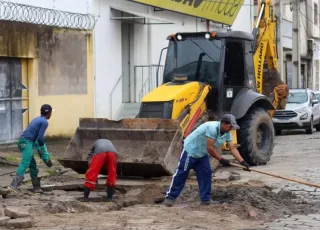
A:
302, 112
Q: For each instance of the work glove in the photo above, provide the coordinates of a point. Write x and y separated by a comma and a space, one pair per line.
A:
110, 192
245, 164
225, 162
45, 156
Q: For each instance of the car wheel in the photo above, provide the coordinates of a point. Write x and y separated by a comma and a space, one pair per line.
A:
278, 132
317, 126
310, 129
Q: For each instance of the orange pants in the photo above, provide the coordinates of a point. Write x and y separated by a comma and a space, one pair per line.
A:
97, 162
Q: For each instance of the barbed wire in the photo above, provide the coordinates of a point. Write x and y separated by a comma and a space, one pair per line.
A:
37, 15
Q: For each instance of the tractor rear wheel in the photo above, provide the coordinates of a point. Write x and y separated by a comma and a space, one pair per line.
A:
256, 137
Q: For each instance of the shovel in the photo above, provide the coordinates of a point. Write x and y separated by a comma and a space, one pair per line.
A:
278, 176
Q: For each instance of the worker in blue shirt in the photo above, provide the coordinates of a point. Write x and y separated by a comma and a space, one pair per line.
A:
33, 137
203, 141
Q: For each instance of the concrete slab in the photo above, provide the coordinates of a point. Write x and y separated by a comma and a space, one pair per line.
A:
21, 223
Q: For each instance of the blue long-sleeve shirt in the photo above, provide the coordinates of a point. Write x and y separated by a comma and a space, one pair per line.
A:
36, 130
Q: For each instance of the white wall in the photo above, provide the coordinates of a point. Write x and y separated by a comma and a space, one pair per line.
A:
287, 15
316, 66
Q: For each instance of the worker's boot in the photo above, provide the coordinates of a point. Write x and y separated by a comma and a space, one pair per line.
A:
36, 185
168, 202
110, 192
15, 183
208, 202
86, 192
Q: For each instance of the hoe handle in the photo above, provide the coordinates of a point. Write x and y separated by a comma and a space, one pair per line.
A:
278, 176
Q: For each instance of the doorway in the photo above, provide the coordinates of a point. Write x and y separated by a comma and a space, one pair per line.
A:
234, 73
127, 45
11, 99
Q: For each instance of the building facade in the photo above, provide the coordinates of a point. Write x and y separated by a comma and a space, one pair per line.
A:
107, 70
50, 63
309, 43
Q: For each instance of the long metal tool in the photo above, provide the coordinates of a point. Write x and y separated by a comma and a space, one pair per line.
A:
278, 176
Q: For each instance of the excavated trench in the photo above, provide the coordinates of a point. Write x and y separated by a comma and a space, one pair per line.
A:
242, 200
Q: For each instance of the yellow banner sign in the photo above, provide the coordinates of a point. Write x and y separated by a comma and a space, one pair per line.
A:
223, 11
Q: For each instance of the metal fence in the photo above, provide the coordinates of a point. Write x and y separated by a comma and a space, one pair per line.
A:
42, 16
111, 108
146, 78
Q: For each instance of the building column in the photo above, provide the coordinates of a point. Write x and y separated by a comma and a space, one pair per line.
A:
296, 58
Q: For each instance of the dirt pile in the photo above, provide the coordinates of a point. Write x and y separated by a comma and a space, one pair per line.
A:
143, 195
241, 200
66, 207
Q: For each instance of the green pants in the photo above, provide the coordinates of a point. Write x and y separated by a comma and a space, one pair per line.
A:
27, 161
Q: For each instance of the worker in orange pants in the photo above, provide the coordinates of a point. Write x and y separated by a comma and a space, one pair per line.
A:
102, 153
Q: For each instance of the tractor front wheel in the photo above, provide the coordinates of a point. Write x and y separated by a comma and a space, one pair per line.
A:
256, 137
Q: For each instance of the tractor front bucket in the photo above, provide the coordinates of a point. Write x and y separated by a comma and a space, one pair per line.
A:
145, 147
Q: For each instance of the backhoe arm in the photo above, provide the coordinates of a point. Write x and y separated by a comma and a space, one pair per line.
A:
265, 50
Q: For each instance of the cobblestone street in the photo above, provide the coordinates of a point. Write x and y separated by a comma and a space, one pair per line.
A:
297, 156
311, 221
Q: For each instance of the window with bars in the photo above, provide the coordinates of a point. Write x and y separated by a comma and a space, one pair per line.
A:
315, 5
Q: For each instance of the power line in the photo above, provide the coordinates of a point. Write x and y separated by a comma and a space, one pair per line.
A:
303, 24
309, 19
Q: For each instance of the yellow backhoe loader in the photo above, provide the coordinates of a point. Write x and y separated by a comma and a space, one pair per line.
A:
206, 75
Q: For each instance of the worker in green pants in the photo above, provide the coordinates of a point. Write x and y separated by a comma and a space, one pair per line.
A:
33, 137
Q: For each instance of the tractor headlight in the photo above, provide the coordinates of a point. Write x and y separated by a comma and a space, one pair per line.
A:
207, 35
179, 37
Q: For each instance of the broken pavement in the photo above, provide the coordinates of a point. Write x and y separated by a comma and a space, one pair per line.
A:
246, 200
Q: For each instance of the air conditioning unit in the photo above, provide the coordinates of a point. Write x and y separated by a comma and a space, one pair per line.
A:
311, 46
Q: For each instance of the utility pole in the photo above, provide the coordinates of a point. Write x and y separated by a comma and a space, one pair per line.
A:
296, 83
278, 11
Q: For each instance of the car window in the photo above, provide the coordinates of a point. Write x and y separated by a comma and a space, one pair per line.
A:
318, 96
297, 97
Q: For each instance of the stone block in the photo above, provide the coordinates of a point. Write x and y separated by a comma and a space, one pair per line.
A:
76, 193
223, 176
302, 218
315, 216
235, 176
16, 212
59, 192
252, 214
309, 189
4, 220
314, 193
21, 223
1, 211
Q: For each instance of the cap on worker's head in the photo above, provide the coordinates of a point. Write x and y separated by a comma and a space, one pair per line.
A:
45, 109
230, 119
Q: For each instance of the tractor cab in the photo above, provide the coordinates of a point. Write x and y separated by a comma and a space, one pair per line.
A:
223, 60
